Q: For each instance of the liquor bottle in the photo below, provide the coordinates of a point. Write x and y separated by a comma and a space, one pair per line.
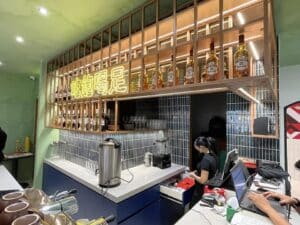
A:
226, 68
173, 79
145, 80
154, 75
241, 59
160, 79
189, 71
212, 64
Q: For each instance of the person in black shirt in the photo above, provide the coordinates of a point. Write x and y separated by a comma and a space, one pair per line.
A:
206, 167
3, 138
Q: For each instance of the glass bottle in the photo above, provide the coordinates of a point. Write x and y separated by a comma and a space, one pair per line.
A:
154, 79
160, 79
241, 59
189, 71
145, 80
173, 79
212, 64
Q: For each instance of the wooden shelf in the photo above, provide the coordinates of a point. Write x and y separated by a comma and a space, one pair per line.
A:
194, 27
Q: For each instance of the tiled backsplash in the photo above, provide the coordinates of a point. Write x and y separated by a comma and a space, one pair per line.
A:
176, 111
133, 145
239, 130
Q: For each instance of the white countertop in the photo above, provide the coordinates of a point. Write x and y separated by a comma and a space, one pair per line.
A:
144, 178
7, 181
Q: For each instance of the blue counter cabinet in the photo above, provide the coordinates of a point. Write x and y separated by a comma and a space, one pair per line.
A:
142, 208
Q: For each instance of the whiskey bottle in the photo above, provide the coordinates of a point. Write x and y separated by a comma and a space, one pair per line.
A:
173, 79
160, 79
145, 80
189, 71
226, 68
212, 64
154, 79
241, 59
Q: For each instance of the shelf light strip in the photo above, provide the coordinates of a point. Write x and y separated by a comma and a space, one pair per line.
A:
209, 90
228, 11
240, 18
243, 91
254, 50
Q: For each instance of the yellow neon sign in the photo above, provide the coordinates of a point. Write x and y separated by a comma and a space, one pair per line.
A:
105, 82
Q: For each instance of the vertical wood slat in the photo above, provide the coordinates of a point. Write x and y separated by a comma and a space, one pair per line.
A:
195, 45
157, 42
174, 43
116, 115
221, 39
143, 72
129, 54
266, 39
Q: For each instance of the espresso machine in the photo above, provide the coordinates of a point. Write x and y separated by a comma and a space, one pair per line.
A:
110, 163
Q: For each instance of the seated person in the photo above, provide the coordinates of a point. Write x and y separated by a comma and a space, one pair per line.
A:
206, 167
261, 202
3, 138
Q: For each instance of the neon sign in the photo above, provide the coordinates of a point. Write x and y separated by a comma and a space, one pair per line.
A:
105, 82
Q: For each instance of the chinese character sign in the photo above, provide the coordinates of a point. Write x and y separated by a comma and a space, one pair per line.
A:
105, 82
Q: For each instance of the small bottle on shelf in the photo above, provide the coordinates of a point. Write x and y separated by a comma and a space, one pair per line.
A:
212, 64
153, 80
189, 71
145, 80
241, 59
173, 79
225, 65
160, 79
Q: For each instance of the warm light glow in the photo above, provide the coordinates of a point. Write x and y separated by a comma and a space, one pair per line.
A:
20, 39
241, 18
254, 50
1, 63
43, 11
242, 90
101, 83
209, 90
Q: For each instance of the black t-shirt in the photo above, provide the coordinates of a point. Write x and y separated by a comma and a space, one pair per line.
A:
208, 163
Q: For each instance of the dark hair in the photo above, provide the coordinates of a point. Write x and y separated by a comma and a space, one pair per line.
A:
207, 142
3, 138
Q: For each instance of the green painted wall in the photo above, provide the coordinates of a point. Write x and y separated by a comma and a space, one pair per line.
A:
45, 136
17, 110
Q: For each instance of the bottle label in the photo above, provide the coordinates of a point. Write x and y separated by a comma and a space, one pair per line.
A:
154, 77
212, 69
241, 63
189, 72
170, 77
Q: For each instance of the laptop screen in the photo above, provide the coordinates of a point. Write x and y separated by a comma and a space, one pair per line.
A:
239, 180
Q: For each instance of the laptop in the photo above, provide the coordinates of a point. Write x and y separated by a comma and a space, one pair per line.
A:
219, 179
242, 190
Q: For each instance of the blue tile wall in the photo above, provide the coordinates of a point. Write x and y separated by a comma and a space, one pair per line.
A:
176, 110
239, 128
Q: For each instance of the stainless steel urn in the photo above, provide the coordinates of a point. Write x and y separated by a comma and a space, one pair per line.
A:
110, 163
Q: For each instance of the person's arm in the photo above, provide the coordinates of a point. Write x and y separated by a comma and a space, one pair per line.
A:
284, 200
263, 204
200, 179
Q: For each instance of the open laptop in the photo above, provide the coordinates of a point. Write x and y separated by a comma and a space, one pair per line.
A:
242, 189
219, 179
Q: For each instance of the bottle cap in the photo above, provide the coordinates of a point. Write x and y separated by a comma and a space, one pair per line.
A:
212, 45
241, 38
